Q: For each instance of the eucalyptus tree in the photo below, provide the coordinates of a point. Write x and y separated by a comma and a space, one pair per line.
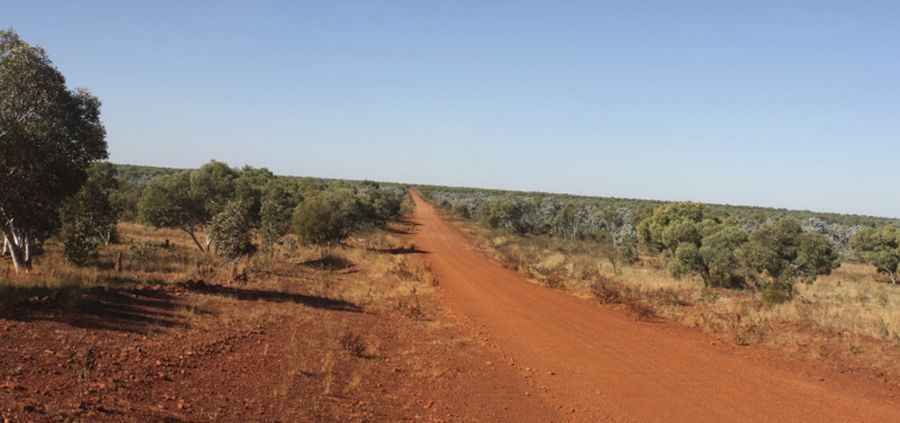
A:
613, 229
188, 200
880, 248
783, 254
49, 135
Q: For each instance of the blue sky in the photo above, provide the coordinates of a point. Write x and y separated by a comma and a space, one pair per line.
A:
785, 104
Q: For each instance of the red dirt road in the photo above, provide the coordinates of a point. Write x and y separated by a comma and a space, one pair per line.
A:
596, 364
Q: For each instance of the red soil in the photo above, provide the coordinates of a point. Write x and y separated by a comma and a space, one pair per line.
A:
594, 363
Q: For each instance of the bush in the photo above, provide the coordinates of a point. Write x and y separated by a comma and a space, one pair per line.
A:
879, 248
507, 214
783, 253
278, 203
326, 218
230, 231
79, 243
609, 291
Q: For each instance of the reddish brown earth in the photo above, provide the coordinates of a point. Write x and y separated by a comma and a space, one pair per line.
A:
596, 364
488, 347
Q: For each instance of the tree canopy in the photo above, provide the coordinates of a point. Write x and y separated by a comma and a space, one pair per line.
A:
881, 248
49, 135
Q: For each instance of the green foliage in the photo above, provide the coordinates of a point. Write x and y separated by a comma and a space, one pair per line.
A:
462, 211
781, 251
507, 214
89, 217
612, 230
214, 186
715, 260
169, 202
49, 135
189, 199
279, 200
377, 205
326, 218
249, 187
79, 243
229, 230
672, 225
881, 248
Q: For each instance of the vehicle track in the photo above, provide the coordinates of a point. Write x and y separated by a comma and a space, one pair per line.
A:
595, 363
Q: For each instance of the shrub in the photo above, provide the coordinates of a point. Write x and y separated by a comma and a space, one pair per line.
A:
609, 291
79, 243
326, 218
507, 214
230, 231
880, 248
278, 203
782, 252
715, 259
89, 217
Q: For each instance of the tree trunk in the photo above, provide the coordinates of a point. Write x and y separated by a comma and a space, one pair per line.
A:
893, 277
194, 237
14, 251
27, 241
105, 236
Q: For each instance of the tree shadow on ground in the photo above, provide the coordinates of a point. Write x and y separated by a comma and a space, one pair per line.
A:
137, 310
328, 262
245, 294
399, 250
397, 231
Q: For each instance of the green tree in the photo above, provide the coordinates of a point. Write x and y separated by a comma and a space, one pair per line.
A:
326, 218
881, 248
715, 260
214, 186
229, 231
506, 213
783, 253
249, 186
615, 235
279, 200
672, 225
89, 217
49, 135
188, 200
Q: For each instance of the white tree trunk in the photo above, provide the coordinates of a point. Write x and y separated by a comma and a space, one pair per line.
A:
27, 247
14, 252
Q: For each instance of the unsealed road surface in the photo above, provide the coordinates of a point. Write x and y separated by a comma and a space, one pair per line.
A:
591, 363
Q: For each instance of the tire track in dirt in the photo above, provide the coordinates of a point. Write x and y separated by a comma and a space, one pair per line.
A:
596, 364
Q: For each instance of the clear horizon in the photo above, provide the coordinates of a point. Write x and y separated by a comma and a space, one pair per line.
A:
761, 105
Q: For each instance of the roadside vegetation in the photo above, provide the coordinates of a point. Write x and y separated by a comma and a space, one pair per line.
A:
805, 283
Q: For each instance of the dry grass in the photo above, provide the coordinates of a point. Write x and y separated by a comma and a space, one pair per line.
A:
146, 256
